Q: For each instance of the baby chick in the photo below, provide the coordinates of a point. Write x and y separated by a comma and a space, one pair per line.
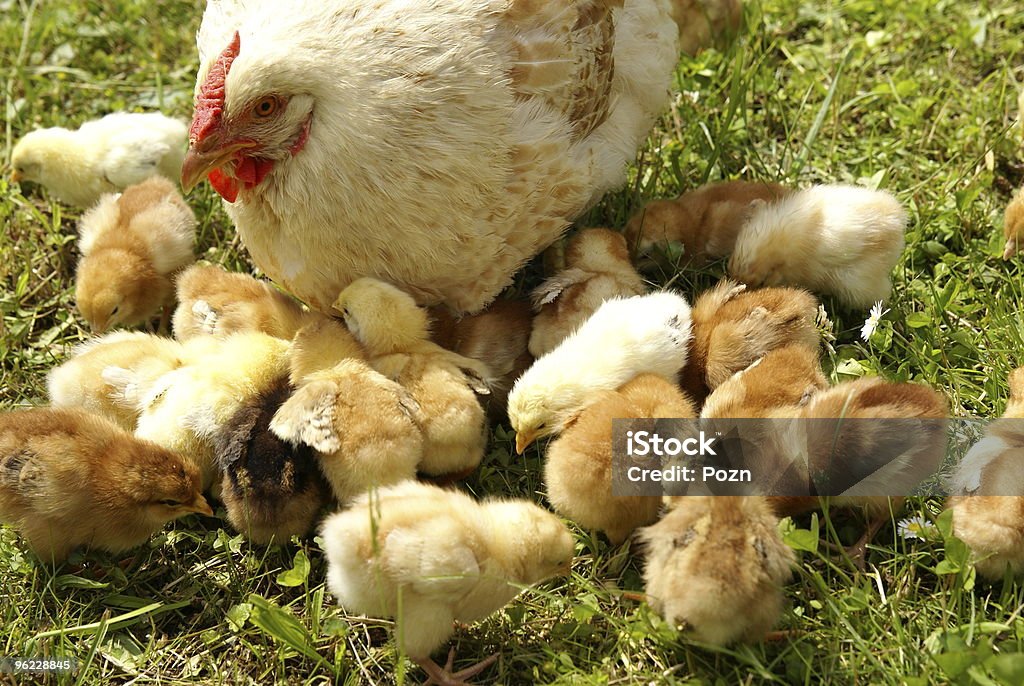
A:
272, 489
705, 221
734, 327
578, 468
988, 500
132, 245
186, 408
597, 267
216, 302
1013, 225
624, 338
716, 567
362, 425
71, 478
498, 337
784, 377
430, 557
102, 156
393, 330
80, 381
839, 240
320, 345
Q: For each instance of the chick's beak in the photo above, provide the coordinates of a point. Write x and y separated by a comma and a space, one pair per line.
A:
206, 155
200, 506
16, 176
523, 441
1010, 249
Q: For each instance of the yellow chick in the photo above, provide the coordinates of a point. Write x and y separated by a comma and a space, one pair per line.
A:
431, 557
734, 327
363, 425
272, 489
216, 302
715, 566
624, 338
597, 268
1013, 225
578, 468
394, 332
102, 156
69, 478
132, 245
498, 337
988, 498
81, 380
784, 377
186, 408
320, 345
839, 240
704, 221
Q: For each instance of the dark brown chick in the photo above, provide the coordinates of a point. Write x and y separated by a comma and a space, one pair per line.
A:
272, 489
69, 478
734, 327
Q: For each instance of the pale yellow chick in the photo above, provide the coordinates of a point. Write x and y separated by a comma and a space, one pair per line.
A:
716, 566
215, 302
132, 246
102, 156
363, 425
431, 557
81, 381
393, 330
704, 221
988, 498
733, 327
1013, 225
69, 478
597, 267
578, 468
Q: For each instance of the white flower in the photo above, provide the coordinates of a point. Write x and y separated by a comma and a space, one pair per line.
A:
914, 527
871, 323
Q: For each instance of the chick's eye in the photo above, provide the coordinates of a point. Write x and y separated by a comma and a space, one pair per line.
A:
266, 107
170, 502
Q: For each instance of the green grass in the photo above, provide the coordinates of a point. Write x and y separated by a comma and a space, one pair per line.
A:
916, 96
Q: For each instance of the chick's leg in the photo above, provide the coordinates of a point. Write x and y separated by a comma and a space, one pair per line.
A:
443, 676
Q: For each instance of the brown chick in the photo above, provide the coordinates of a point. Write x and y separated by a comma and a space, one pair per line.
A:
784, 377
578, 468
71, 478
716, 567
393, 330
734, 327
705, 221
856, 460
80, 381
363, 425
132, 246
498, 337
1013, 225
988, 496
215, 302
597, 267
272, 489
702, 22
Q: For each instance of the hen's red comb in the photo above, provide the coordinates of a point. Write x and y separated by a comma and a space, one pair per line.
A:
210, 100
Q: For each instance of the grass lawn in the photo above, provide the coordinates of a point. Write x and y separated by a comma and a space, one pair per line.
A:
916, 96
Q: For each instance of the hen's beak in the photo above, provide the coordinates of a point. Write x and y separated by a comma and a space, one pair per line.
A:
16, 176
523, 441
1011, 248
200, 506
205, 156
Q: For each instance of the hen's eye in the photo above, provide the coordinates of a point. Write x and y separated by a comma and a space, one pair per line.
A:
170, 502
266, 107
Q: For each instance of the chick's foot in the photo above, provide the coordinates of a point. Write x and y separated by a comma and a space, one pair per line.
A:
443, 676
